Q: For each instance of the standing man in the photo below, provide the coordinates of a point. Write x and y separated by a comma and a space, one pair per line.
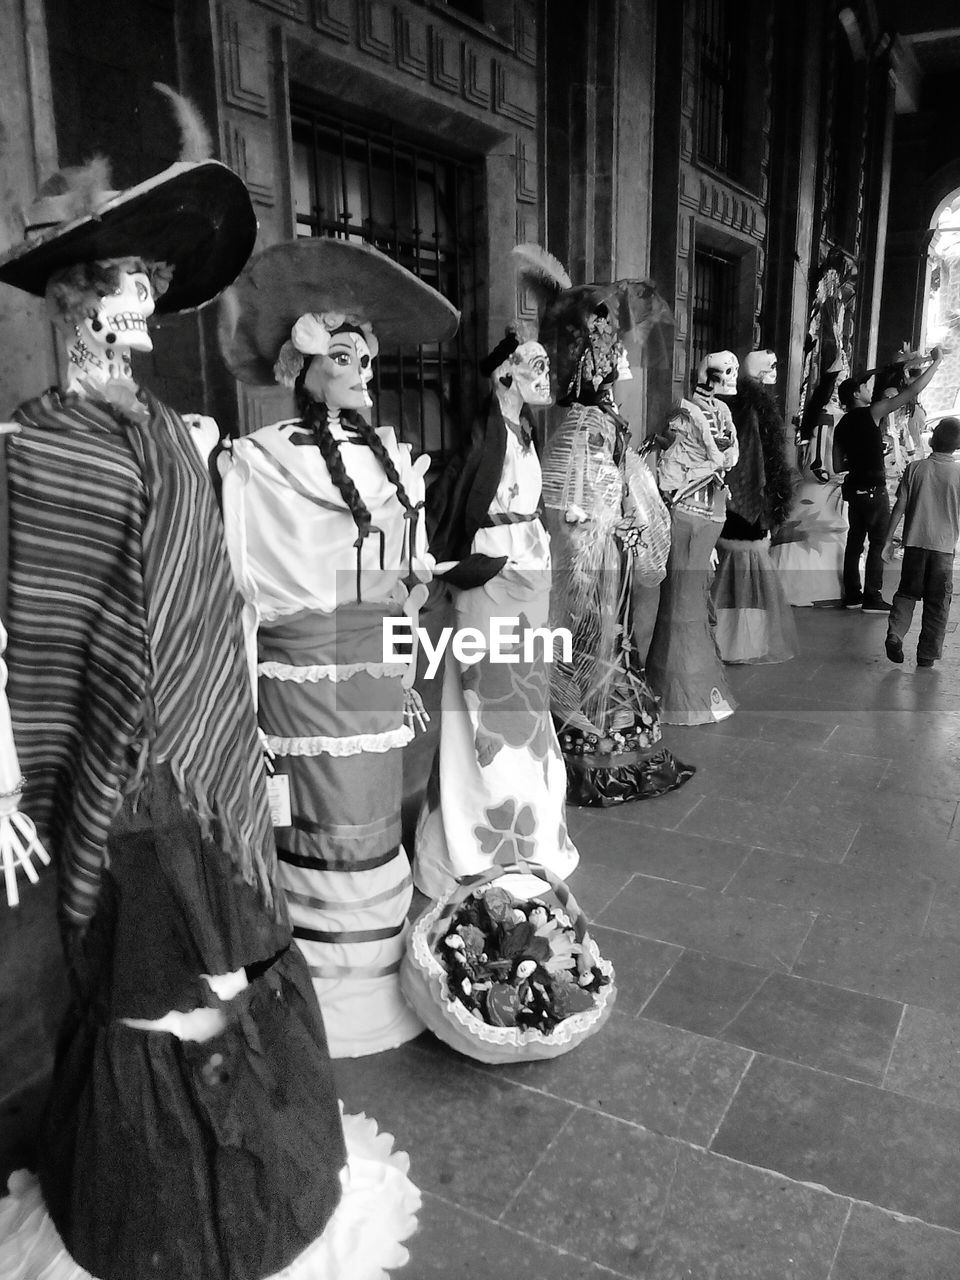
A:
858, 449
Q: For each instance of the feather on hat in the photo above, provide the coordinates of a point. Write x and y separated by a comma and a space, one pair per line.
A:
196, 216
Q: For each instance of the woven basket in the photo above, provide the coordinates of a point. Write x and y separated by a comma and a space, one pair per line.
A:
423, 980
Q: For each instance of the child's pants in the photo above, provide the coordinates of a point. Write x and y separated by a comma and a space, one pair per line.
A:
927, 576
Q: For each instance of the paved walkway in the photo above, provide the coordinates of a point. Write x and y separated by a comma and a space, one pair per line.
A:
777, 1094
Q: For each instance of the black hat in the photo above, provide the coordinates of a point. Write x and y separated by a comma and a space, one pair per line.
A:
196, 216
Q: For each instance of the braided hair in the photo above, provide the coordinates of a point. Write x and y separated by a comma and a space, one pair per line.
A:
314, 416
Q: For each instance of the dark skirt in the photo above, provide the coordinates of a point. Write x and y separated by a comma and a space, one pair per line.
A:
212, 1160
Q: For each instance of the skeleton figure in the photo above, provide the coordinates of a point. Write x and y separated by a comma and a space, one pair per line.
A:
703, 440
717, 374
523, 378
761, 366
493, 526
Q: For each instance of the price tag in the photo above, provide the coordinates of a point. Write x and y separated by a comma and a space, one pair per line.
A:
720, 708
278, 797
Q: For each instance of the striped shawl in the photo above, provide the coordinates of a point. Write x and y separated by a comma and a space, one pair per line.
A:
125, 638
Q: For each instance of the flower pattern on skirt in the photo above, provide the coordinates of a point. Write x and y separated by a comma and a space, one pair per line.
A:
509, 833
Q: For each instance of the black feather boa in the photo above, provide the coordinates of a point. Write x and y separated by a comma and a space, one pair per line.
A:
755, 410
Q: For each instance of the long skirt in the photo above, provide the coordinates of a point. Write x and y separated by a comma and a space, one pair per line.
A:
497, 788
333, 715
807, 550
754, 620
684, 664
216, 1159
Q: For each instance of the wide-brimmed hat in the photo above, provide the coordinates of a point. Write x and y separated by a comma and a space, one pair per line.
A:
289, 280
196, 216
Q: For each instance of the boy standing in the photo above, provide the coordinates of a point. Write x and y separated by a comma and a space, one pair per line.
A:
929, 500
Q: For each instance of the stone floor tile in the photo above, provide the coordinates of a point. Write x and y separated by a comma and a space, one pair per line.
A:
728, 1220
454, 1239
846, 890
669, 855
473, 1138
663, 1078
600, 1189
664, 811
699, 746
881, 961
595, 883
754, 773
798, 827
753, 932
818, 1025
928, 856
853, 1139
626, 845
841, 770
883, 814
943, 920
925, 1062
879, 1246
703, 993
871, 740
640, 964
783, 728
933, 774
579, 821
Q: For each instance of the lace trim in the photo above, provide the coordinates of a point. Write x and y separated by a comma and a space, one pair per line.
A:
572, 1028
363, 1239
329, 671
350, 746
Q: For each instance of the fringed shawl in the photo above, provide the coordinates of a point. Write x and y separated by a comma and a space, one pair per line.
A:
125, 638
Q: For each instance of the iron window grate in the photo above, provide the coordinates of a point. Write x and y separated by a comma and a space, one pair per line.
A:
421, 207
721, 86
714, 304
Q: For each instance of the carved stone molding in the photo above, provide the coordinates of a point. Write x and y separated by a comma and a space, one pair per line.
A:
246, 81
295, 9
445, 69
250, 154
526, 33
514, 95
526, 170
375, 29
412, 52
476, 76
334, 18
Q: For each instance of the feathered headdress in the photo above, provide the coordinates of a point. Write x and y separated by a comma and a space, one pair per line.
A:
589, 325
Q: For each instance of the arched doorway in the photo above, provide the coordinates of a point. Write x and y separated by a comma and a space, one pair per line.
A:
941, 310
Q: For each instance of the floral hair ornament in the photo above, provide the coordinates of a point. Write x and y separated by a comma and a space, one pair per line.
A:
288, 295
588, 326
311, 336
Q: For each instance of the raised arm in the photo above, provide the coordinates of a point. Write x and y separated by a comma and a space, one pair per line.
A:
881, 408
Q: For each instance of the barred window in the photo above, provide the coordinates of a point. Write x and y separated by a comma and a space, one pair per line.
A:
422, 208
714, 304
722, 85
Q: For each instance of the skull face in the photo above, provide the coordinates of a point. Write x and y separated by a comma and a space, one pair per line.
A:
761, 366
717, 374
339, 378
530, 367
119, 322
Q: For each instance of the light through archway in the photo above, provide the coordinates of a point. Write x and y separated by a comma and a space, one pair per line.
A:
941, 316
